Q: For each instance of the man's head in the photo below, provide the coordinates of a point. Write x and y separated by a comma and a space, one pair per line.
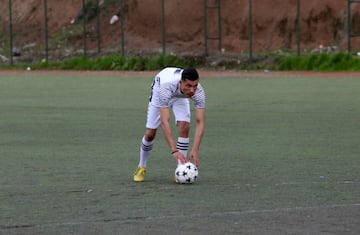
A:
189, 81
190, 73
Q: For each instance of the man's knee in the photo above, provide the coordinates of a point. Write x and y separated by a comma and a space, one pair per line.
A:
184, 128
150, 134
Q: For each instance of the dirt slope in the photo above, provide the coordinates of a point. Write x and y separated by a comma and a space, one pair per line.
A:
322, 22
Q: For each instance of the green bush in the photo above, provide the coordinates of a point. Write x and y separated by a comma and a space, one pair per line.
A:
321, 62
273, 61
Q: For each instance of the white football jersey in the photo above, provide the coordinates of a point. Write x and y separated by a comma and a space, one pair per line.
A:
166, 86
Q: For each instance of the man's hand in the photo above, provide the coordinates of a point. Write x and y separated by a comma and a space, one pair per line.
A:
179, 157
194, 157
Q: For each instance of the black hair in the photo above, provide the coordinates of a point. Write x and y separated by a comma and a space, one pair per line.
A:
190, 73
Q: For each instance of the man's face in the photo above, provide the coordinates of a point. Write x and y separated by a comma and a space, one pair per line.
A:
188, 87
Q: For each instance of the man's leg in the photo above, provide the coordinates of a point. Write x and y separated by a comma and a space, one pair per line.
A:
181, 110
146, 146
147, 142
183, 140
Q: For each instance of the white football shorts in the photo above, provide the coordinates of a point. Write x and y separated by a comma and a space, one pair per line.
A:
179, 106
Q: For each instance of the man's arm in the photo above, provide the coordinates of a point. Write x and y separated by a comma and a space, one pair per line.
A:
199, 132
164, 118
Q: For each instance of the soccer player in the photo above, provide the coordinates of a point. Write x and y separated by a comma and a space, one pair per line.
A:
171, 89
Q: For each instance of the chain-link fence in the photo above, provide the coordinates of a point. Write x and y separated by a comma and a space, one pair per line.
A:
51, 30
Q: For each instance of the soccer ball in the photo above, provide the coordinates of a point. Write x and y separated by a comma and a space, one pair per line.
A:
186, 173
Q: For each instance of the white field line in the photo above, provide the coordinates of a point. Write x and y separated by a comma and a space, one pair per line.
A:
321, 181
209, 215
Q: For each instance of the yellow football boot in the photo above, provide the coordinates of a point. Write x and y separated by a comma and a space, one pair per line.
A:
139, 175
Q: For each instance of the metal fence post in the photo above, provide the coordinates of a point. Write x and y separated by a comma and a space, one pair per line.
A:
298, 36
349, 24
84, 25
205, 28
250, 33
98, 27
46, 32
11, 33
219, 25
122, 27
163, 25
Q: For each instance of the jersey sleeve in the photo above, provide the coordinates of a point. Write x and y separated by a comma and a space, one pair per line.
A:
199, 98
165, 95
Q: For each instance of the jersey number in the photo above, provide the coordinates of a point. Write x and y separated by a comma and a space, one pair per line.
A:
152, 88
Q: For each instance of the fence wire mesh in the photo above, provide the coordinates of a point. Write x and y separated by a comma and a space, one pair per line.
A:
53, 30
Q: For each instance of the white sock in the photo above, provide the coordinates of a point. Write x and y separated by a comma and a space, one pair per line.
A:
145, 151
182, 145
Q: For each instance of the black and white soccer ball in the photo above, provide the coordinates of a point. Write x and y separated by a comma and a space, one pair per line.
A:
186, 173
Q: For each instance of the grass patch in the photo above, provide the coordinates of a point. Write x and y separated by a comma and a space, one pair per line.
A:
278, 155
